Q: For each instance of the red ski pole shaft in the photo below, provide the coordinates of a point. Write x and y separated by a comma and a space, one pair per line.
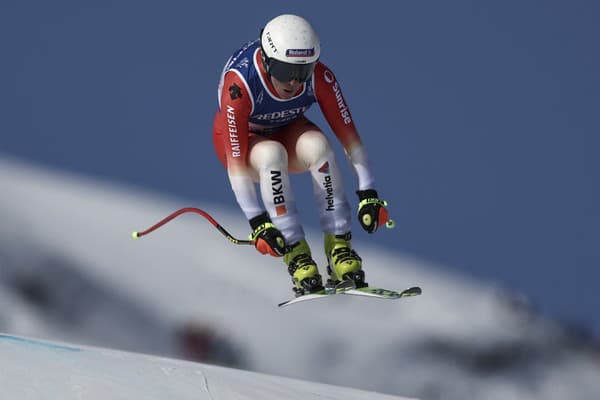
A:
196, 211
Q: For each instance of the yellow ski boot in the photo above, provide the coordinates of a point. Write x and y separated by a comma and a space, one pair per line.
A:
343, 262
303, 269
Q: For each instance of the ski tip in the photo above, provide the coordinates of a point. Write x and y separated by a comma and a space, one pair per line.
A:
289, 302
413, 291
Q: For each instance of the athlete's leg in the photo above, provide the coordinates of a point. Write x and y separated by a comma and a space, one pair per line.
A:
309, 150
269, 160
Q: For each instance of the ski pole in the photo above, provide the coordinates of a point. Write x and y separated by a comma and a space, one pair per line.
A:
177, 213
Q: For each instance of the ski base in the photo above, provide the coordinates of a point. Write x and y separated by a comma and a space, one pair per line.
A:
348, 288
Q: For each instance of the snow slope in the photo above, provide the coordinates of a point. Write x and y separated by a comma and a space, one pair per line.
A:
32, 369
69, 270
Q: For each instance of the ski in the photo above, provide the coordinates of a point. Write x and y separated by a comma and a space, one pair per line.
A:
384, 293
349, 289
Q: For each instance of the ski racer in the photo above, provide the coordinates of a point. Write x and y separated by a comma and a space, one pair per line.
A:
261, 135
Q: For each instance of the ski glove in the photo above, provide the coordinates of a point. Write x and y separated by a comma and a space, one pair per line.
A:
267, 238
371, 211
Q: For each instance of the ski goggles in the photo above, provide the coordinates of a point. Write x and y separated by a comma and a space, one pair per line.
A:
286, 72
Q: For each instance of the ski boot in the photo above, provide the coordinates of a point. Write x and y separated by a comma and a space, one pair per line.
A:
343, 262
303, 269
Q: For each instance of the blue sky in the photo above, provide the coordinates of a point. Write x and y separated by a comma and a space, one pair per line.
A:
481, 118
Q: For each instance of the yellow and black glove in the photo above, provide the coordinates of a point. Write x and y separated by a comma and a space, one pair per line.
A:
371, 211
267, 238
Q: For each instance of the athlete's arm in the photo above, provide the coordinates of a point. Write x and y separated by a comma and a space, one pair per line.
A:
336, 112
236, 106
372, 213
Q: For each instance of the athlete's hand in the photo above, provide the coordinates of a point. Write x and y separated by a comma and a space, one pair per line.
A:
371, 211
267, 238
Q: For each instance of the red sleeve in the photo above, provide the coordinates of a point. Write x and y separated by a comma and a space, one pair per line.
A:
336, 112
334, 107
236, 106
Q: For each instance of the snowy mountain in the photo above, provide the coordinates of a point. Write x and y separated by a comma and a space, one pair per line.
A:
69, 270
28, 372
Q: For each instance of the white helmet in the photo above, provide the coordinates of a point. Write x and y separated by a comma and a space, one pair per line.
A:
290, 48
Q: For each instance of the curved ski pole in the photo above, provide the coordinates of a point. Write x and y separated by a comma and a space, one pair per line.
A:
210, 219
